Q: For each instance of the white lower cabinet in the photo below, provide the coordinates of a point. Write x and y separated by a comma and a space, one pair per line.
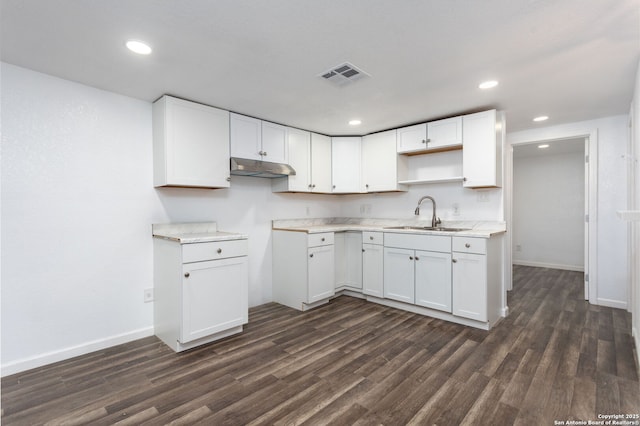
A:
201, 291
433, 280
348, 262
303, 268
372, 264
470, 286
399, 274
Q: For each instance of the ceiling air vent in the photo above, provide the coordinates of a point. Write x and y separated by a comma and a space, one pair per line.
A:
344, 74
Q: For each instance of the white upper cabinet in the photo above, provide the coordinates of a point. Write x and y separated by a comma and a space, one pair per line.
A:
274, 143
412, 138
483, 136
320, 163
190, 144
310, 157
258, 140
246, 137
345, 164
444, 133
382, 167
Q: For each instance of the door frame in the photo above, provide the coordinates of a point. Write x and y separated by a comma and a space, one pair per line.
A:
591, 195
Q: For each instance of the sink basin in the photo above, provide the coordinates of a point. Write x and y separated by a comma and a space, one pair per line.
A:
428, 228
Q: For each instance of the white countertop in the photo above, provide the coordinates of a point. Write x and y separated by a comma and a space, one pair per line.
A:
196, 232
482, 229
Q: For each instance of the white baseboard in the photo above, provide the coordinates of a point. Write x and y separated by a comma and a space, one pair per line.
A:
612, 303
576, 268
20, 365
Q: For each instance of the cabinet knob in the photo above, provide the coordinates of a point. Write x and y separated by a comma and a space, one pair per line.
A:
260, 153
311, 255
363, 250
313, 186
310, 186
467, 245
367, 186
417, 258
219, 250
322, 239
228, 178
424, 141
334, 187
370, 237
454, 260
186, 275
464, 179
264, 153
410, 257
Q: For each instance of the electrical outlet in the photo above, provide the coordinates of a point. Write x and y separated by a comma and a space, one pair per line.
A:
483, 196
148, 295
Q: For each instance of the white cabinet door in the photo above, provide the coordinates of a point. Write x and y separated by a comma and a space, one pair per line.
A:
274, 143
444, 133
299, 142
246, 137
345, 164
433, 280
469, 286
399, 274
214, 297
379, 162
190, 144
412, 138
353, 247
372, 270
320, 163
320, 273
482, 151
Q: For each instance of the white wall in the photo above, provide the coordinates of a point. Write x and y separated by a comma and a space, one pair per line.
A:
548, 211
612, 134
77, 207
634, 227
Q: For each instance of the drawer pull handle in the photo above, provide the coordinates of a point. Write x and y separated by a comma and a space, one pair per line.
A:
467, 245
219, 250
311, 255
186, 275
454, 260
371, 238
322, 239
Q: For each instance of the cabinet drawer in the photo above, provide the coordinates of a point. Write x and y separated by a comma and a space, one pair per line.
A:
198, 252
322, 239
372, 237
470, 245
439, 243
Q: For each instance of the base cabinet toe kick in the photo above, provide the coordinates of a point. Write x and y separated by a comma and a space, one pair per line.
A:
453, 278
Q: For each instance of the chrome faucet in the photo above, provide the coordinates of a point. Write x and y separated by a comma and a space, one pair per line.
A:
435, 221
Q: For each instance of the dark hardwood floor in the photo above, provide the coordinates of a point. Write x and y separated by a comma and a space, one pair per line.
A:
351, 362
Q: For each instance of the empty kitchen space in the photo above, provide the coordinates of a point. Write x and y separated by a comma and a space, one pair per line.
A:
555, 357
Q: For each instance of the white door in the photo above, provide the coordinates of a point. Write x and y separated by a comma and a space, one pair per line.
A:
469, 286
399, 274
300, 159
412, 138
379, 162
214, 297
274, 143
320, 163
320, 273
433, 280
372, 270
246, 137
345, 164
444, 133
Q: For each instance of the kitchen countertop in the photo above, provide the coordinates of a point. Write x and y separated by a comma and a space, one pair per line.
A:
482, 229
195, 232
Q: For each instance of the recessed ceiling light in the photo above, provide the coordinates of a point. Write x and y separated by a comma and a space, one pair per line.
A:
543, 146
355, 122
541, 118
488, 84
138, 47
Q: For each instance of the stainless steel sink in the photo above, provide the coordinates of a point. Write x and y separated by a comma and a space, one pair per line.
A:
428, 228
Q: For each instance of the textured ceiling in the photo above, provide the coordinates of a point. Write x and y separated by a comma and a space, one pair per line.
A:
569, 59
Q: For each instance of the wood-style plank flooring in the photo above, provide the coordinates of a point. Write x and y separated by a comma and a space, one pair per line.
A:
351, 362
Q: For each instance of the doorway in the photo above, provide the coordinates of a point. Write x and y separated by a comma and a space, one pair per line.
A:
586, 141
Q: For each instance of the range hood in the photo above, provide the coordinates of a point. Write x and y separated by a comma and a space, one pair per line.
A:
257, 168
